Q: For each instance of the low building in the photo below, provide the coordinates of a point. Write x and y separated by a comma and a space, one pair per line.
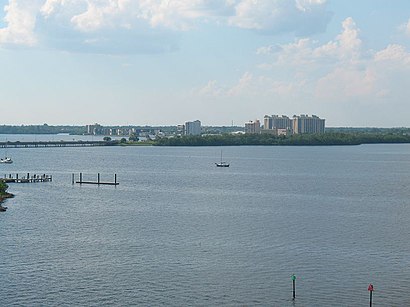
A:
277, 131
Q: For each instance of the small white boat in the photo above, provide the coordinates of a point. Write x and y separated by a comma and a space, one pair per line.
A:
6, 160
222, 163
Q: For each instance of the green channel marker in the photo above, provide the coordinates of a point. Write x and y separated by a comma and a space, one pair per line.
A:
294, 285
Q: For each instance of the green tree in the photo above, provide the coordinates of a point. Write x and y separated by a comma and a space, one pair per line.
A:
133, 137
3, 187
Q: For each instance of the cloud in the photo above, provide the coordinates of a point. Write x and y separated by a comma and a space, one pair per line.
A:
303, 17
50, 22
338, 71
247, 85
346, 82
334, 72
20, 22
92, 15
346, 47
393, 53
405, 28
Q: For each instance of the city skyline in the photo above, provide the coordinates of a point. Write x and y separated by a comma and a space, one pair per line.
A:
165, 62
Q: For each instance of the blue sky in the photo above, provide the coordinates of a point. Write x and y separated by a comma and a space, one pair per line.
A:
164, 62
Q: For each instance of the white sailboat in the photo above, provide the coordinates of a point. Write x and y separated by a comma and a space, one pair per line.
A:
222, 163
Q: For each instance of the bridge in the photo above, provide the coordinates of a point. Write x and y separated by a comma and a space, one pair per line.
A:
19, 144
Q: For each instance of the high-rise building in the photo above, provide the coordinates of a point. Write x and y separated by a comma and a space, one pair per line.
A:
94, 129
253, 126
276, 121
277, 125
308, 124
267, 122
193, 128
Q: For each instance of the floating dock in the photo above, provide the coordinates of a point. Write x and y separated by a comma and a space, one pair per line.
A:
27, 178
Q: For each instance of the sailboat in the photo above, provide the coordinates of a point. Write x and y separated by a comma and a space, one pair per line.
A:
222, 163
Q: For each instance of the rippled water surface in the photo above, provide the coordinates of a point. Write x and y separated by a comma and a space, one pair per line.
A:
178, 231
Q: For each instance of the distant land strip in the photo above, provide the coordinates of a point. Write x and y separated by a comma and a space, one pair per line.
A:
292, 140
323, 139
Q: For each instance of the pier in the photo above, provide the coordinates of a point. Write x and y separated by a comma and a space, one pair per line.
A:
27, 178
19, 144
98, 182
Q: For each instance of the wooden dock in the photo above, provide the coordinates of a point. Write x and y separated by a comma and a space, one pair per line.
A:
98, 182
27, 178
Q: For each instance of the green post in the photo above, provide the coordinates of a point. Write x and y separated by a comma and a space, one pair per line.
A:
294, 286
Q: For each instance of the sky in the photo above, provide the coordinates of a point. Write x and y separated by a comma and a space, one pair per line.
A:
224, 62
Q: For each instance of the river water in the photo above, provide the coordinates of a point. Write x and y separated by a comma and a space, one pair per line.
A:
179, 231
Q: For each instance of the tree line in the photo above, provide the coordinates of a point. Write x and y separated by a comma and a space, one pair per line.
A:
41, 129
292, 140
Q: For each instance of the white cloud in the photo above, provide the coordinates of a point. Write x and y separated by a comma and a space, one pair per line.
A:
275, 16
334, 72
21, 20
266, 50
248, 85
393, 53
347, 82
405, 28
338, 70
306, 5
210, 89
180, 14
346, 47
91, 15
28, 20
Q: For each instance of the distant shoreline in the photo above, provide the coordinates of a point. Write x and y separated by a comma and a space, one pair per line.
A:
323, 139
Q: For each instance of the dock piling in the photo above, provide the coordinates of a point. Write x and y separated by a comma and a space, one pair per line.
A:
98, 182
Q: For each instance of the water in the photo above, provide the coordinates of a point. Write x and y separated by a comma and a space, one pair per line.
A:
179, 231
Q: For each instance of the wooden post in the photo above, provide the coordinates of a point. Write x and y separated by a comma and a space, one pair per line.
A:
17, 176
72, 178
115, 179
98, 178
81, 178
